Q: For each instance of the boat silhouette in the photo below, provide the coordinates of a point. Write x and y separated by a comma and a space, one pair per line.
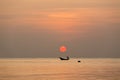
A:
67, 58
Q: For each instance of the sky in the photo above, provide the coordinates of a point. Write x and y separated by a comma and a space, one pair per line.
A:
37, 28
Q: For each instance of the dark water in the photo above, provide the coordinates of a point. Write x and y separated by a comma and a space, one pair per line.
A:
54, 69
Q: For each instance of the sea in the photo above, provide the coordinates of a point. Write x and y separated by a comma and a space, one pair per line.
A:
56, 69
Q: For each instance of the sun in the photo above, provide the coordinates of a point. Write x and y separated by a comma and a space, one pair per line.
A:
63, 49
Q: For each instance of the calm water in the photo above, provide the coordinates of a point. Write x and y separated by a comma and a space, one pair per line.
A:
54, 69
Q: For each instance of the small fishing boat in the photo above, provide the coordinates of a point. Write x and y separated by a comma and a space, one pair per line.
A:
67, 58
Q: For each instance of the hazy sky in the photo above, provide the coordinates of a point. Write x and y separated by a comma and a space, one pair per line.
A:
37, 28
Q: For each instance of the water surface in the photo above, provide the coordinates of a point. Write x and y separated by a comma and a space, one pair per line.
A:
55, 69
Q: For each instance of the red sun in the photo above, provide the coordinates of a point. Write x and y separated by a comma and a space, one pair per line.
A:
63, 49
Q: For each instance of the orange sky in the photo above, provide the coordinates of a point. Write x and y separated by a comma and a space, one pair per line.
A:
63, 20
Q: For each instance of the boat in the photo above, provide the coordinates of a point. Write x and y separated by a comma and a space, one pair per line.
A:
67, 58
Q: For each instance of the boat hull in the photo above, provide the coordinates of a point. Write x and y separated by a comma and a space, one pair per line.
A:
64, 58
